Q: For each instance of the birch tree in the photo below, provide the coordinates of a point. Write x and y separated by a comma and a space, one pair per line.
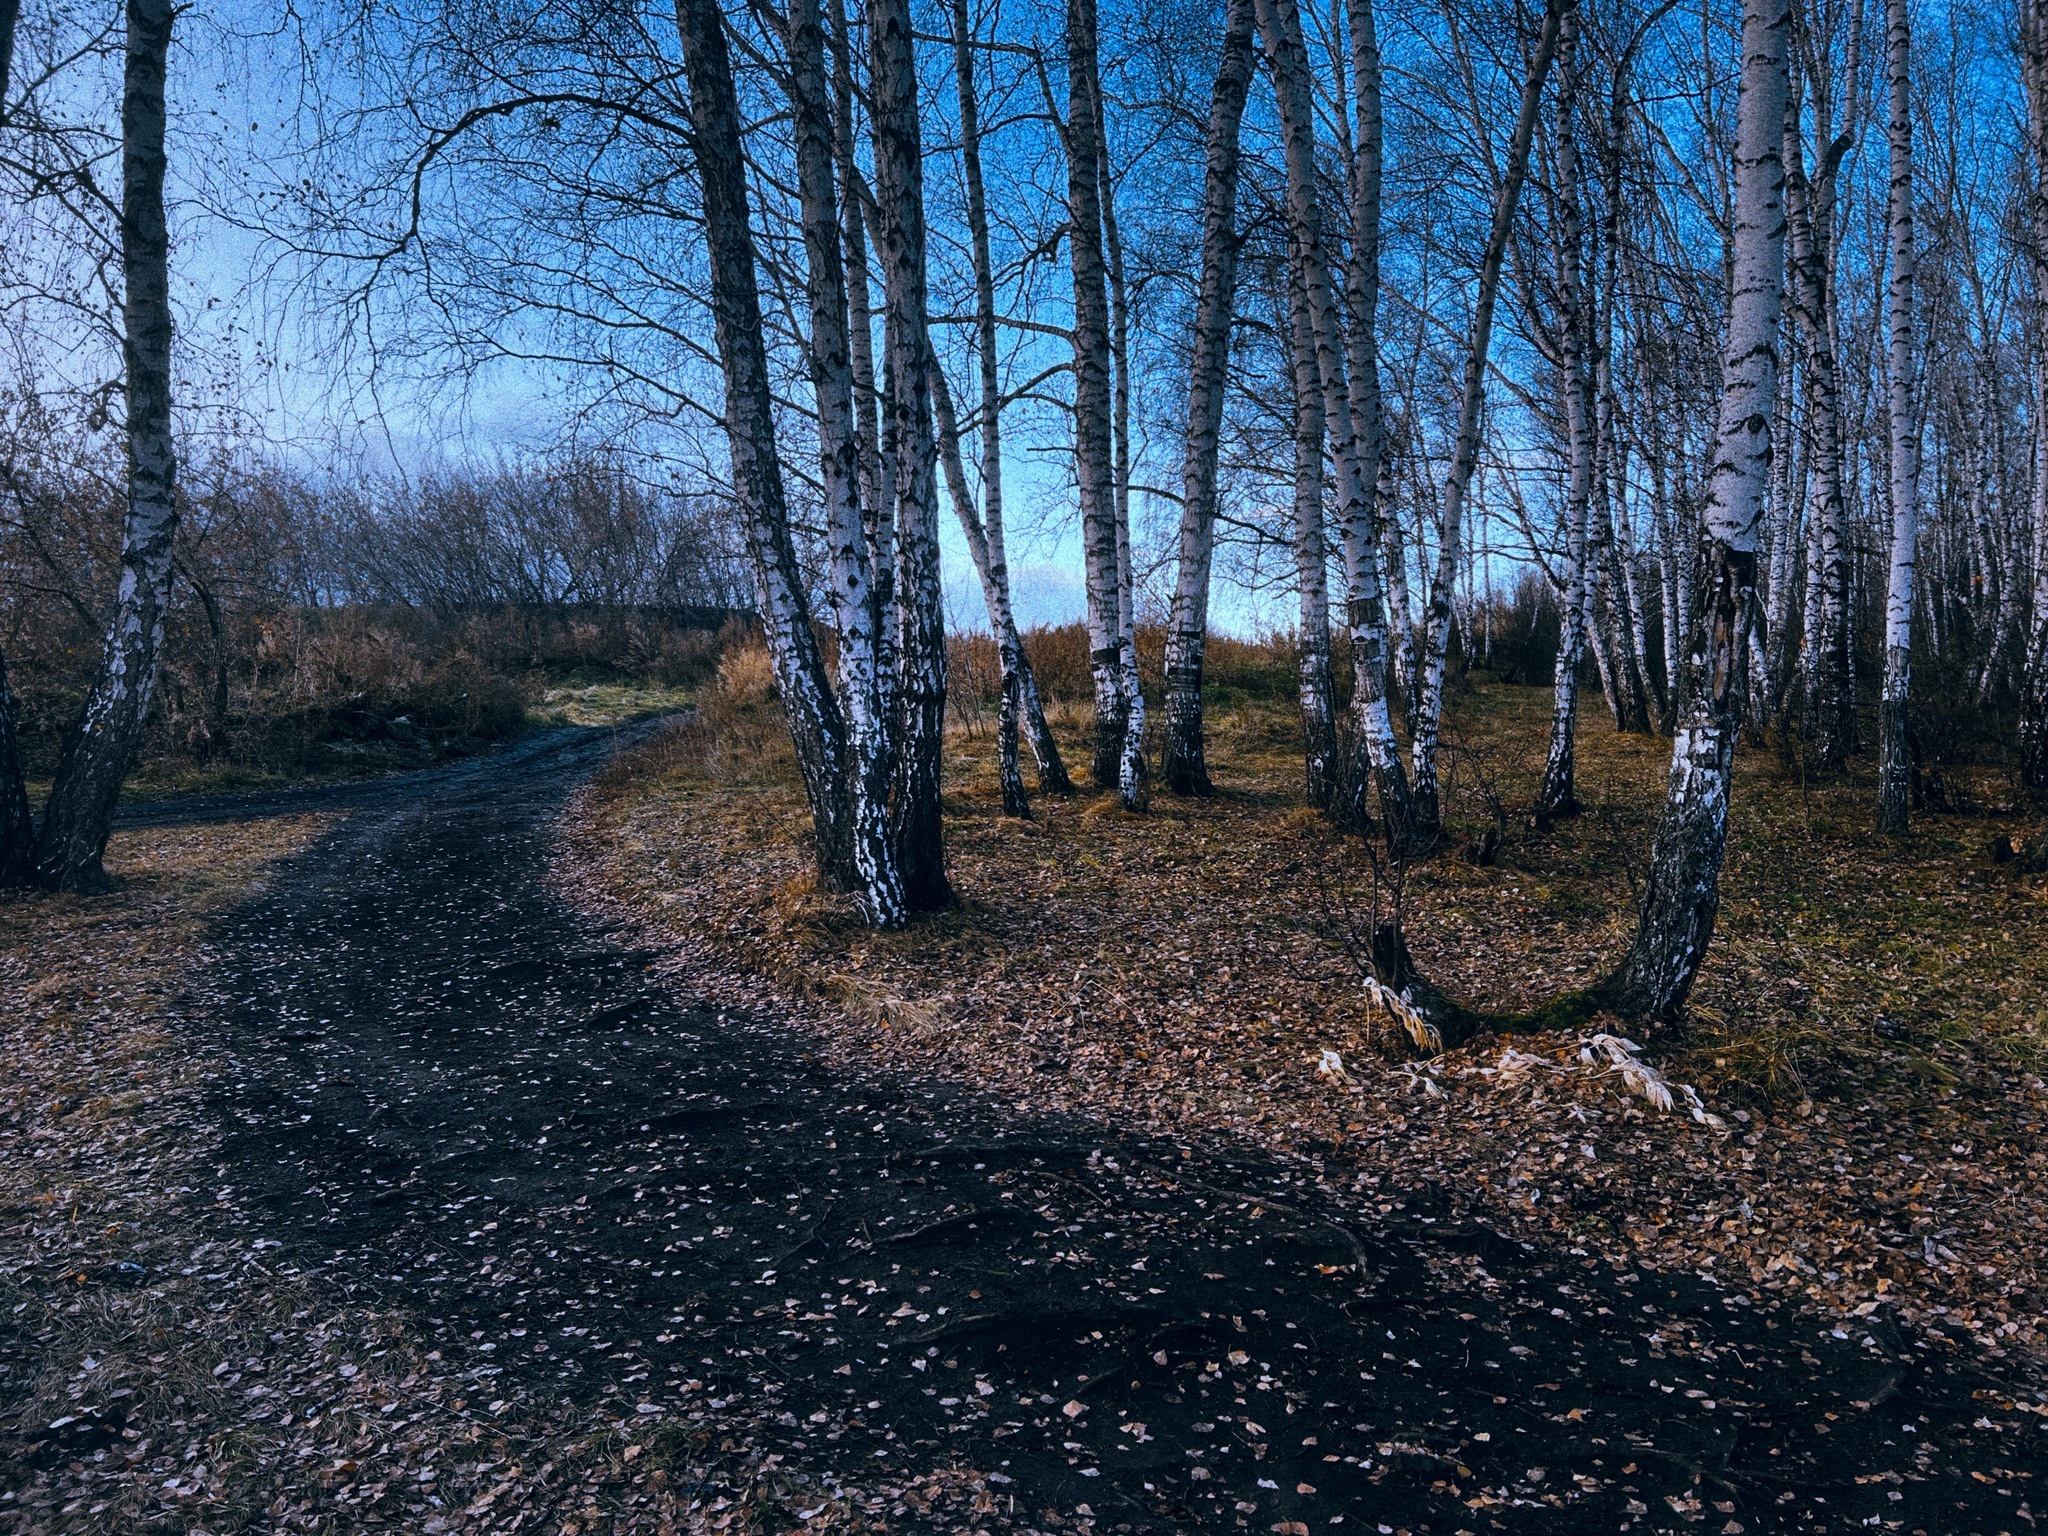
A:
921, 653
857, 616
1185, 766
1557, 794
1021, 709
79, 816
2033, 722
1682, 893
1094, 431
1315, 685
1894, 769
816, 724
1279, 24
17, 822
1425, 723
1830, 710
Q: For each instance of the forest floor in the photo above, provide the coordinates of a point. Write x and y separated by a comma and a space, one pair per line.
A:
383, 1170
1868, 1034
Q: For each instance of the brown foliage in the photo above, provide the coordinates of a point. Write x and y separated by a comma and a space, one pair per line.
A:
1879, 1097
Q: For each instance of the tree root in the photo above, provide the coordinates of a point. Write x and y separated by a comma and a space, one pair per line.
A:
1446, 1023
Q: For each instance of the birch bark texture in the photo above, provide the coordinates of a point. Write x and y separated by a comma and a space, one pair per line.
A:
921, 631
1315, 686
1185, 765
856, 616
79, 816
1830, 701
2033, 723
1557, 795
817, 728
1894, 767
1094, 449
1675, 922
1279, 23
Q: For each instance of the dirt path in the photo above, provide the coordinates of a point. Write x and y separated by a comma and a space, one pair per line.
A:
454, 1093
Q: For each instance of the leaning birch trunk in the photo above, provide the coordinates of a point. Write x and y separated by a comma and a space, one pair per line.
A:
849, 586
79, 816
1311, 557
1094, 461
817, 729
1423, 728
920, 606
1894, 770
1185, 766
1020, 691
1557, 796
1372, 723
1021, 706
1675, 923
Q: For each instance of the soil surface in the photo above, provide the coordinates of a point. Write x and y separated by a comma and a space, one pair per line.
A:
457, 1095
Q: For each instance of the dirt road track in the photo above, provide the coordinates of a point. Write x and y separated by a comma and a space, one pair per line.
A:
454, 1092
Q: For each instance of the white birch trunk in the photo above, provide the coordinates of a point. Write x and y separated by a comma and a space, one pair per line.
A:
80, 814
1557, 794
1185, 766
879, 885
1131, 760
1830, 696
1279, 24
1021, 707
2033, 722
1894, 769
1094, 429
900, 243
1311, 556
1682, 897
817, 729
1424, 727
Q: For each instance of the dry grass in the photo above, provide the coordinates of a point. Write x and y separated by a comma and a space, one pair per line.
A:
1867, 1029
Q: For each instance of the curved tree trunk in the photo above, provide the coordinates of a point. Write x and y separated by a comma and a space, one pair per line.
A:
1020, 690
1186, 766
1682, 898
1021, 707
80, 814
1894, 769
